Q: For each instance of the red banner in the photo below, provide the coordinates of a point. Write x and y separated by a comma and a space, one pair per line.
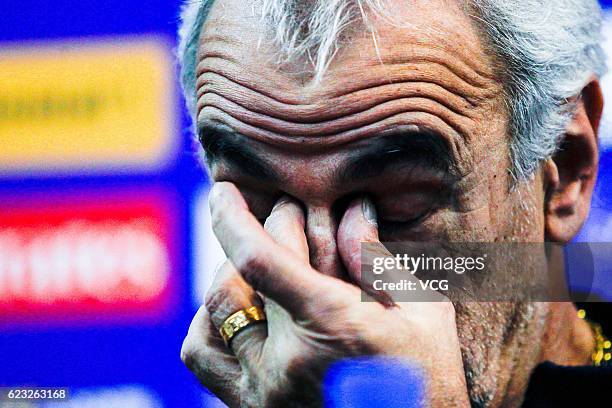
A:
93, 255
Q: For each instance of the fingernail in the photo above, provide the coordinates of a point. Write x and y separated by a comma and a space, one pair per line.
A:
369, 211
282, 201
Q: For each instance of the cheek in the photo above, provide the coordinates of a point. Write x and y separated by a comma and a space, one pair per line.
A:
482, 224
450, 226
492, 222
473, 226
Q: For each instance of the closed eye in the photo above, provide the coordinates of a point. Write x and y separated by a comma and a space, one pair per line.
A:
395, 226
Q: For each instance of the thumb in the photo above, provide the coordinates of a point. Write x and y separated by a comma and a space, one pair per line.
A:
359, 226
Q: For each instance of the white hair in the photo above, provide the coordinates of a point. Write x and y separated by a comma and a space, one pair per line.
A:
549, 50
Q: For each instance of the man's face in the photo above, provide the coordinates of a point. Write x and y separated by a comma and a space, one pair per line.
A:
414, 119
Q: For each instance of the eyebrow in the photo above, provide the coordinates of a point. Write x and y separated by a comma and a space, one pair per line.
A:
220, 144
422, 147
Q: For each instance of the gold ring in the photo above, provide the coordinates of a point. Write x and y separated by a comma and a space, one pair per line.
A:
239, 321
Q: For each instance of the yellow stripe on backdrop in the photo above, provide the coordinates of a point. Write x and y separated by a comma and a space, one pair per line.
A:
87, 105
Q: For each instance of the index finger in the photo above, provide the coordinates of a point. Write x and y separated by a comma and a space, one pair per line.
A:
273, 270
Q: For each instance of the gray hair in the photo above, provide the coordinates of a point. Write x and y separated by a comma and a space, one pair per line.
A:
549, 50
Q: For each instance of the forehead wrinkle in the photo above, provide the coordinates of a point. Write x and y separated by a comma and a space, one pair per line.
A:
455, 45
303, 145
328, 117
291, 90
289, 98
216, 53
464, 55
238, 97
331, 127
458, 64
217, 39
219, 72
221, 63
214, 86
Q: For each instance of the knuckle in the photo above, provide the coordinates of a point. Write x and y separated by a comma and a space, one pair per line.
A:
219, 304
247, 344
201, 362
214, 299
188, 353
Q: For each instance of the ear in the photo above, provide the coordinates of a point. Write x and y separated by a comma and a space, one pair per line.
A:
571, 174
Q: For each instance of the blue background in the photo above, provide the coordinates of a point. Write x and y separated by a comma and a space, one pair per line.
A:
106, 356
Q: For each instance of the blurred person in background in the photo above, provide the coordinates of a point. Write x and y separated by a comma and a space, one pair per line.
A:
330, 123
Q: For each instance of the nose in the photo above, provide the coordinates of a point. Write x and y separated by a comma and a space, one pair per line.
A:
321, 230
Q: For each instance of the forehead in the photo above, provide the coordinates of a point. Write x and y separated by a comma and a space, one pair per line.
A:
234, 29
426, 49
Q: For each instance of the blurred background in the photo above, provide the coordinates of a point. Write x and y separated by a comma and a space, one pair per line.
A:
105, 245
